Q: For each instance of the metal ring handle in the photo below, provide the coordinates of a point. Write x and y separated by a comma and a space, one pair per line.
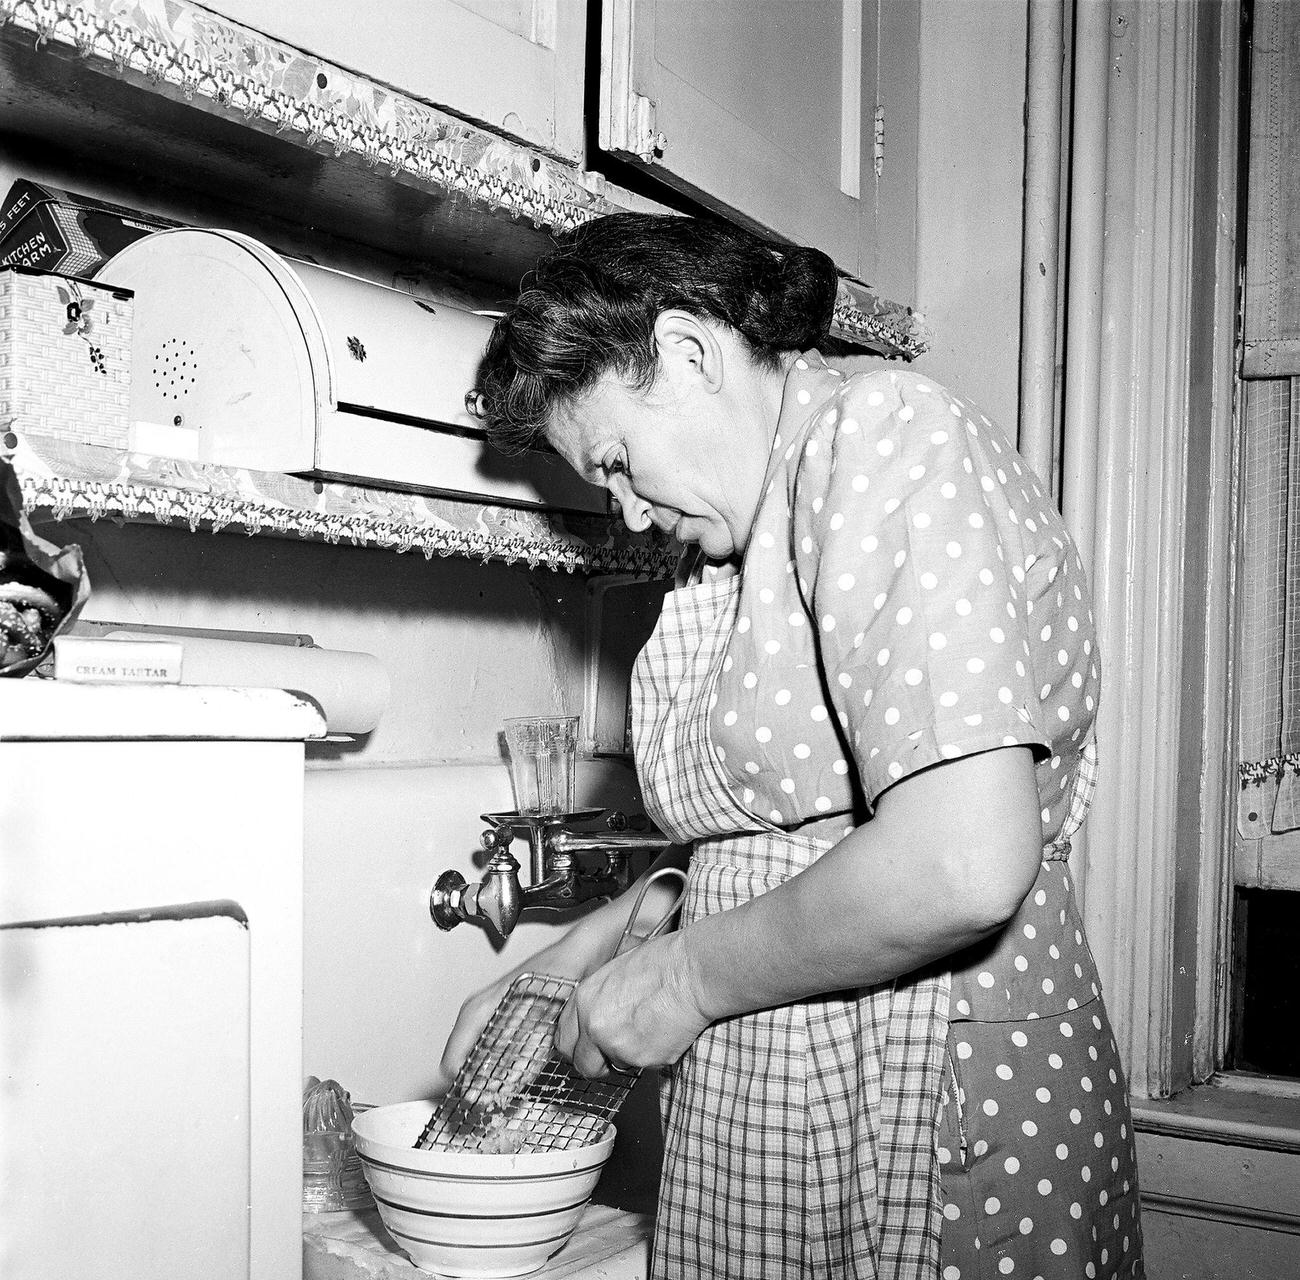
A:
664, 920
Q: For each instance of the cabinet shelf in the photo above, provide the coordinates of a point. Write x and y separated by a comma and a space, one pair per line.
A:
220, 110
64, 480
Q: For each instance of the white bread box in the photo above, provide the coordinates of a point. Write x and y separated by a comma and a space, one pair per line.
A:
245, 358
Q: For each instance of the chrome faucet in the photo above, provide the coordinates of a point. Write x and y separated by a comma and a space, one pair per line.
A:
560, 880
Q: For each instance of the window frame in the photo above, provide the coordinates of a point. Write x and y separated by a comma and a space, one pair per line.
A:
1151, 312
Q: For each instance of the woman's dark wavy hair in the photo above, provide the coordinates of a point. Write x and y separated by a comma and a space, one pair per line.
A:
590, 305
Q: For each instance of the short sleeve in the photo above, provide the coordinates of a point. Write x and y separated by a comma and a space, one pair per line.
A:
911, 555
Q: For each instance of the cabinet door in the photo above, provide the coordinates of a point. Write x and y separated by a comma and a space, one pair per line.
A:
125, 1109
764, 108
513, 65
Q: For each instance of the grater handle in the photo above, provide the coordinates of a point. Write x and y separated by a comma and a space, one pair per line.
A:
628, 939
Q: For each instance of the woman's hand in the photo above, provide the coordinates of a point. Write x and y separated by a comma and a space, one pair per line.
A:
639, 1010
581, 951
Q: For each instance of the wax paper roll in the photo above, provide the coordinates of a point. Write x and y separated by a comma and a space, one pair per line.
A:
351, 688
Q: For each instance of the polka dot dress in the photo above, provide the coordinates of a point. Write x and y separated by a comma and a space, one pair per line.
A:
909, 595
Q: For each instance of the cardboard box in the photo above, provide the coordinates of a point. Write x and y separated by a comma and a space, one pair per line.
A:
65, 357
95, 660
52, 229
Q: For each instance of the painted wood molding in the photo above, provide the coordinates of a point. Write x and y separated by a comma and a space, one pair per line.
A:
1147, 481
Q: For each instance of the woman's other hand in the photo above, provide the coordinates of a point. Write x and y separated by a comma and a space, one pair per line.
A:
639, 1010
576, 954
471, 1020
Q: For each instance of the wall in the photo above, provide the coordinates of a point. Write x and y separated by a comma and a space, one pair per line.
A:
970, 180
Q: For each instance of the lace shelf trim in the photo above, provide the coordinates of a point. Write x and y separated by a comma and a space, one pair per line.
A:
67, 479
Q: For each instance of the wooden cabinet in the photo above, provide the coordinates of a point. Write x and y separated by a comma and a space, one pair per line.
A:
257, 135
798, 116
293, 147
513, 65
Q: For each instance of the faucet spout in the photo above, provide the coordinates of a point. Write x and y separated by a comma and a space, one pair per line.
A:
500, 898
607, 842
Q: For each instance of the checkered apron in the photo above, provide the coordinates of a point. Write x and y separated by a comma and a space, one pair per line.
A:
798, 1141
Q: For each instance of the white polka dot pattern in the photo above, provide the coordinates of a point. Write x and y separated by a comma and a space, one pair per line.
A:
1039, 965
938, 585
1056, 1195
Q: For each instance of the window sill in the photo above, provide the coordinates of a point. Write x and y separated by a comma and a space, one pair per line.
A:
1221, 1162
1234, 1108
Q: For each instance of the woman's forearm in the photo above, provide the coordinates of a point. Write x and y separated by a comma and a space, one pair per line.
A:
947, 859
948, 856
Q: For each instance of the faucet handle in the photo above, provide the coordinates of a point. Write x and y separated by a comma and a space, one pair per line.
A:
447, 900
618, 822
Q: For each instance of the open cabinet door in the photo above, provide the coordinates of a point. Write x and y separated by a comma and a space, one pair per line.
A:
765, 108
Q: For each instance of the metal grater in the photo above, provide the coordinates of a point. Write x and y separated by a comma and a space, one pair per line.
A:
514, 1092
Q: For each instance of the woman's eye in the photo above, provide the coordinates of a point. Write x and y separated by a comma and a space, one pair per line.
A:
616, 466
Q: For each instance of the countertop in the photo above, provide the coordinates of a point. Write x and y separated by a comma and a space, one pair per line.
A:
36, 710
609, 1244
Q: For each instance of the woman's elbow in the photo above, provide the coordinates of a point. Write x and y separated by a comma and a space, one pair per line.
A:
992, 880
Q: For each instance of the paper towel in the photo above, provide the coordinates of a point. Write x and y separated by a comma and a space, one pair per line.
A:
351, 688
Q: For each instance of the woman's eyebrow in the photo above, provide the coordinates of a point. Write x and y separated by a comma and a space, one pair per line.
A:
594, 462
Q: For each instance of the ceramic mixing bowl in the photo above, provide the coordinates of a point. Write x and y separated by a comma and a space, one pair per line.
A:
459, 1213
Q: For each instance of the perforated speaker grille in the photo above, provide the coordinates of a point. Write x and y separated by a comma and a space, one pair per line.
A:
175, 366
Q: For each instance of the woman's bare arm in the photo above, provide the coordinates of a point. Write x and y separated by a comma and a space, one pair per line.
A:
946, 860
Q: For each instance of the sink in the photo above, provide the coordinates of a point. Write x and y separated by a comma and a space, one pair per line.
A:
352, 1244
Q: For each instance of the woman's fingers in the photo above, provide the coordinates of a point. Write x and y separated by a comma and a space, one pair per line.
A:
573, 1043
471, 1020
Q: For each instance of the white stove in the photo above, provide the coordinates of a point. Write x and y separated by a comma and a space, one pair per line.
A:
151, 945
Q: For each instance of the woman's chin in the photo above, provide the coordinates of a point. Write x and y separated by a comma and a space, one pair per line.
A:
717, 545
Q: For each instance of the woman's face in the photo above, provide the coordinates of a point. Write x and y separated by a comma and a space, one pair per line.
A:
689, 455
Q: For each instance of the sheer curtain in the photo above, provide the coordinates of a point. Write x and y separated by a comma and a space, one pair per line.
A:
1269, 719
1269, 672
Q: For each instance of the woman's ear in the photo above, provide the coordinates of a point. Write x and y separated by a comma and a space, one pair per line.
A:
689, 350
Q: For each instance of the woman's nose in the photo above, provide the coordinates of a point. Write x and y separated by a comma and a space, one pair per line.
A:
634, 510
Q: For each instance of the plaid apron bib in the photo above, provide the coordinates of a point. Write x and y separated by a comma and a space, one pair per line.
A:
799, 1141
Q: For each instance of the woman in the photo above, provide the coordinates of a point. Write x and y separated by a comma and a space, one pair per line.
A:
869, 715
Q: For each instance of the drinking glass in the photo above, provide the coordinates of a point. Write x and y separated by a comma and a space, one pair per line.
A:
543, 755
